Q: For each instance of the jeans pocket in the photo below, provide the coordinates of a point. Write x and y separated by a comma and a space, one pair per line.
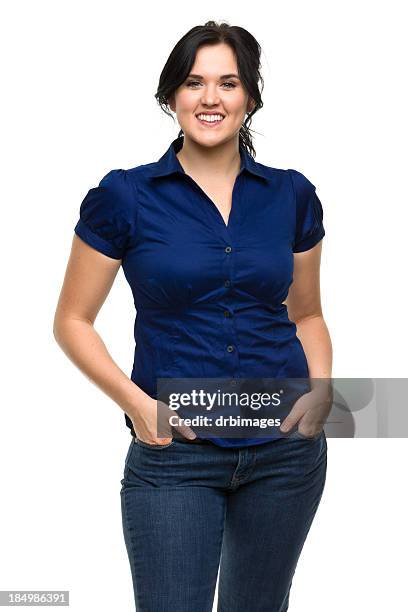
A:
300, 436
153, 446
127, 461
129, 452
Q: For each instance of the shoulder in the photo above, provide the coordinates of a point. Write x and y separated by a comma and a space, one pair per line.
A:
139, 173
120, 184
308, 212
118, 190
303, 187
271, 173
293, 179
108, 214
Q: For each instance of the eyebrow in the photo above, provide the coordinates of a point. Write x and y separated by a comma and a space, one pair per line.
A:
223, 76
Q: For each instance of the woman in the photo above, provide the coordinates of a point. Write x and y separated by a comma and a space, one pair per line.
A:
210, 242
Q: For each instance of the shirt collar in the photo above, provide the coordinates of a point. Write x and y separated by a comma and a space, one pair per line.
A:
169, 163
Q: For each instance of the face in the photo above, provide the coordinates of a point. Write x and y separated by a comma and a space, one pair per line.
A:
212, 93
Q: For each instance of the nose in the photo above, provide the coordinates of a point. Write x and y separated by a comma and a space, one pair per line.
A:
209, 96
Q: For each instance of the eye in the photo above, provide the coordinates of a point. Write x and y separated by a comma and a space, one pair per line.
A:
195, 83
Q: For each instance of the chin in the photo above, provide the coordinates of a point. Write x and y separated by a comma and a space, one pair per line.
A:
208, 140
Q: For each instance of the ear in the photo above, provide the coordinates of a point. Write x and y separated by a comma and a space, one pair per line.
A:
171, 103
250, 105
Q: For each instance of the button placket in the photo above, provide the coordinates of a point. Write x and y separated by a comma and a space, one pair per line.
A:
230, 337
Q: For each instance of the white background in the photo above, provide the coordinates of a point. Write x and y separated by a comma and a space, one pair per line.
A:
79, 81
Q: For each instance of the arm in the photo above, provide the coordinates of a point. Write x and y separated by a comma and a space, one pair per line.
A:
304, 308
88, 279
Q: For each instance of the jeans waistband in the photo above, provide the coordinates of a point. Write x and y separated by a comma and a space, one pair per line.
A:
186, 441
195, 441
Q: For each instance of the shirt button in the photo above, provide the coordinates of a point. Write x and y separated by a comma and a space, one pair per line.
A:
227, 313
228, 249
230, 348
227, 283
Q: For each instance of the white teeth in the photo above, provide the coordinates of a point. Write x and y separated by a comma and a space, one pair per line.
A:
210, 118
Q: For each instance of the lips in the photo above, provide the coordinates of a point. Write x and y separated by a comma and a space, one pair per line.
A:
210, 123
210, 114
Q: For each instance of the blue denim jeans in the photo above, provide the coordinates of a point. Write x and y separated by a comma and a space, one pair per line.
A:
191, 509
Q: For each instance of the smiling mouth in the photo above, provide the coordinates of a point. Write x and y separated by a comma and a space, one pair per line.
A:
210, 120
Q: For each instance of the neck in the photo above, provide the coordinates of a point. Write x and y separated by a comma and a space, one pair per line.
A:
221, 161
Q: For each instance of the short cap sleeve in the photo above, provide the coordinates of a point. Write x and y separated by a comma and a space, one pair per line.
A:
106, 216
309, 214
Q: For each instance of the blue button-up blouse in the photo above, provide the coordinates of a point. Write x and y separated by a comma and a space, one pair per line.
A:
208, 295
